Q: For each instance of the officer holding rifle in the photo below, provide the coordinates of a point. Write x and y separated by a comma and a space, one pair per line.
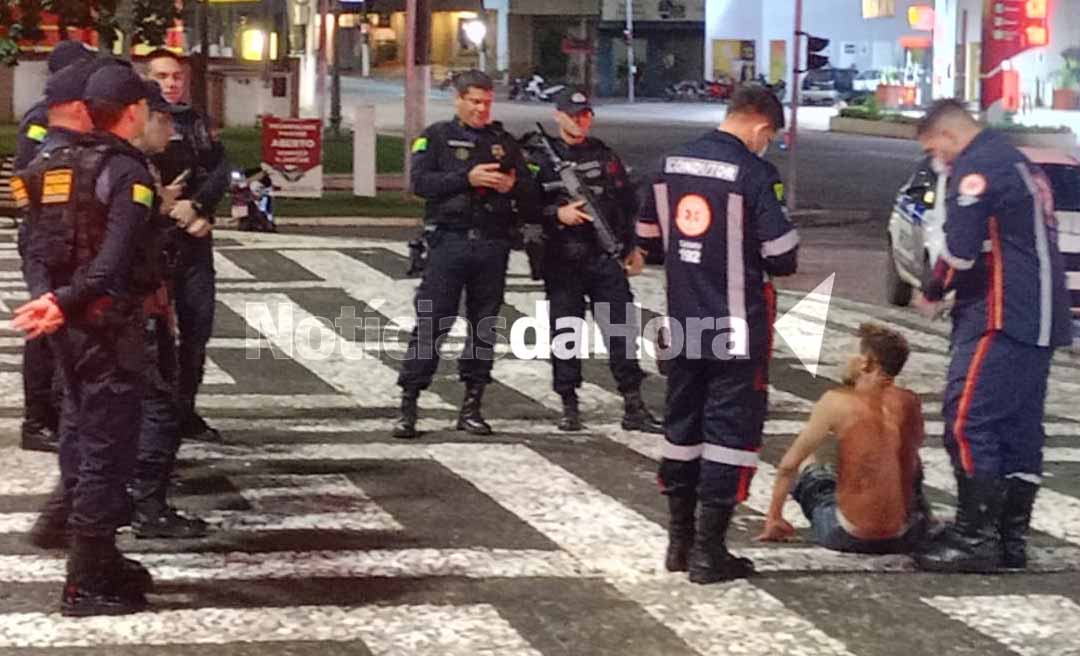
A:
589, 212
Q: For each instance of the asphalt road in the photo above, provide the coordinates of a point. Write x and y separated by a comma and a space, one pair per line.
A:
331, 538
835, 171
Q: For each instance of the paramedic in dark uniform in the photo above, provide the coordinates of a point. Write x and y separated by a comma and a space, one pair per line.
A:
90, 207
717, 206
576, 271
476, 185
40, 405
1011, 311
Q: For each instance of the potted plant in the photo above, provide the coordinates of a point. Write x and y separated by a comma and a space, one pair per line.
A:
1067, 93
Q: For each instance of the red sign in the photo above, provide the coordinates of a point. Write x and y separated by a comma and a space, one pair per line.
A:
1010, 27
292, 155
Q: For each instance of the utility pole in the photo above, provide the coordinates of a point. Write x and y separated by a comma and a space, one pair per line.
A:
320, 82
335, 80
792, 173
630, 49
200, 90
417, 71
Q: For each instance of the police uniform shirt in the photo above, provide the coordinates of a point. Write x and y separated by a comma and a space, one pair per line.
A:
604, 172
194, 148
1001, 253
718, 208
442, 157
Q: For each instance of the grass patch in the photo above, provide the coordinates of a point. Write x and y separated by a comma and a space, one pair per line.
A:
343, 203
244, 149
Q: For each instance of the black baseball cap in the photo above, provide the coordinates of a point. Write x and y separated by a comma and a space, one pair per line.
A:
573, 102
69, 83
156, 99
116, 83
68, 52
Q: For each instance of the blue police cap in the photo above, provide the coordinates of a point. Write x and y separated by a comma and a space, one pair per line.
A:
115, 83
68, 52
66, 85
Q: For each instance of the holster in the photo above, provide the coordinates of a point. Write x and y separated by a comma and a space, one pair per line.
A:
418, 255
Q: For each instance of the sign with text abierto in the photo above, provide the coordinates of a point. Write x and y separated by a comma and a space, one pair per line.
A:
292, 155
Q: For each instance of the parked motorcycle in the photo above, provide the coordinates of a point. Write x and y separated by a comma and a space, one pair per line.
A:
686, 91
535, 88
253, 200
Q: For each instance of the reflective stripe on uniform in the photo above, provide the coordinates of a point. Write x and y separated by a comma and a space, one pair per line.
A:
782, 244
736, 269
682, 453
957, 263
728, 456
663, 210
1042, 251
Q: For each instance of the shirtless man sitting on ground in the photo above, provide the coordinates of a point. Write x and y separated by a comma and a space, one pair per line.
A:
872, 502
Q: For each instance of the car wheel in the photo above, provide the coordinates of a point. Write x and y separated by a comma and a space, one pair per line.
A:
898, 291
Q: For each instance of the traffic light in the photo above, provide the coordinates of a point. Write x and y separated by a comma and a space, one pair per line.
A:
814, 45
1036, 24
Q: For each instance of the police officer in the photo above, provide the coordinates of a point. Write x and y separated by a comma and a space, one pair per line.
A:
193, 149
90, 207
474, 178
717, 208
159, 437
40, 407
35, 123
1011, 311
575, 268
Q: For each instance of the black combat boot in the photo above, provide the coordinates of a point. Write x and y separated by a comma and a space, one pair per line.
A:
710, 561
154, 518
405, 428
636, 416
680, 531
195, 428
1014, 521
571, 416
37, 435
971, 543
470, 420
95, 582
50, 528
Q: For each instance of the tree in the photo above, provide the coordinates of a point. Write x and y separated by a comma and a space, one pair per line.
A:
152, 20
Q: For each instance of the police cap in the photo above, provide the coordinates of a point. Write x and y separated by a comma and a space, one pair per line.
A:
573, 102
68, 52
69, 83
116, 83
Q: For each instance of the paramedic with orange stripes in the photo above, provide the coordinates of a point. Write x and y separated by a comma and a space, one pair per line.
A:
717, 206
1011, 311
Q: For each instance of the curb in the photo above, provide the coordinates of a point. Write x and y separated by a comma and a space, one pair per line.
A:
349, 221
830, 218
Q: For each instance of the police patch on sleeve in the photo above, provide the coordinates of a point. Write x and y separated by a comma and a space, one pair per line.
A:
36, 132
18, 192
142, 195
56, 187
420, 145
778, 189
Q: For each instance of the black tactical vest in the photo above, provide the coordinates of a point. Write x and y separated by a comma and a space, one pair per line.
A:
67, 222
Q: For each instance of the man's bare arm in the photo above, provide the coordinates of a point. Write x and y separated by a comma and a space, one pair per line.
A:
813, 435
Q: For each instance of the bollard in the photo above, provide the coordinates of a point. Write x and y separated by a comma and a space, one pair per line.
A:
364, 151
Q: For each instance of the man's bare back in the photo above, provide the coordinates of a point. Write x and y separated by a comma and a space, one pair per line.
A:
879, 432
870, 503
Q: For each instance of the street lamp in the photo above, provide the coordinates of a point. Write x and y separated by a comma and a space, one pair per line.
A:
475, 31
